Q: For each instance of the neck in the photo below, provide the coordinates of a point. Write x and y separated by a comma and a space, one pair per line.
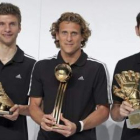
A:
71, 58
7, 53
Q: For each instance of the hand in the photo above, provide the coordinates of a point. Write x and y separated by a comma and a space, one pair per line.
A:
47, 122
125, 109
68, 129
15, 111
129, 87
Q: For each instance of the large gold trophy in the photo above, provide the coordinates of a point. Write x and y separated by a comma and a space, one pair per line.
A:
129, 82
5, 102
63, 73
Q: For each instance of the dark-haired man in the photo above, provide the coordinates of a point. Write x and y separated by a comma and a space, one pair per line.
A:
120, 108
15, 71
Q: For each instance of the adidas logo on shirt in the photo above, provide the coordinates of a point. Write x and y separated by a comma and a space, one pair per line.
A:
18, 76
81, 78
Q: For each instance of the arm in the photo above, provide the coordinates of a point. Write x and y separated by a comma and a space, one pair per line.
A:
35, 110
91, 121
44, 120
97, 117
24, 110
120, 111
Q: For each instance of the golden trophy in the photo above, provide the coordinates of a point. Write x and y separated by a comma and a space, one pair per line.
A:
129, 82
5, 102
63, 73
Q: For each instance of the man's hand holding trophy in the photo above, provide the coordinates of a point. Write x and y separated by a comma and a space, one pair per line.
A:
129, 82
8, 109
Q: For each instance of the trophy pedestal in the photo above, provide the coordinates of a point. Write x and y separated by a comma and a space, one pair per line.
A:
5, 112
133, 120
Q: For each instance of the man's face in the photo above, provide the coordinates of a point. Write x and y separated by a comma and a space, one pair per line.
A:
69, 37
9, 29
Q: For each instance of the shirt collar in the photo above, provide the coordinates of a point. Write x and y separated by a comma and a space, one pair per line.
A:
81, 60
138, 58
19, 56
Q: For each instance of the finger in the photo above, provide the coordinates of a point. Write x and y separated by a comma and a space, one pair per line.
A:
124, 113
47, 121
62, 132
46, 127
14, 108
126, 106
63, 127
49, 116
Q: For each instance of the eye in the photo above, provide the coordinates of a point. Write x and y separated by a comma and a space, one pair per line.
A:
64, 32
12, 24
1, 23
74, 33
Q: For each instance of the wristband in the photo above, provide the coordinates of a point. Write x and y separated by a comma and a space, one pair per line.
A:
82, 126
78, 127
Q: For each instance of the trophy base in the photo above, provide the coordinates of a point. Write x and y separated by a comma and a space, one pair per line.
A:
133, 120
55, 127
2, 112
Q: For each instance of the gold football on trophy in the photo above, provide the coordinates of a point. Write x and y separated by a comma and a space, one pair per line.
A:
63, 72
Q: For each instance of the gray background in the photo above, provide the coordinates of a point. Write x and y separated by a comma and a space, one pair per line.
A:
113, 37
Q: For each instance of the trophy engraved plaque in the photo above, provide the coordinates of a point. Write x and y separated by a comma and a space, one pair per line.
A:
63, 73
5, 102
129, 82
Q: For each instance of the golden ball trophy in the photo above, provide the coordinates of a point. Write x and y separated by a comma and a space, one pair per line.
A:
63, 72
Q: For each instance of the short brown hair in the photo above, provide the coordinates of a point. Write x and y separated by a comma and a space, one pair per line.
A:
71, 17
10, 9
138, 20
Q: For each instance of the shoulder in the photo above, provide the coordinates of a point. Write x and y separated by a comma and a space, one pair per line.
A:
48, 60
128, 62
131, 58
29, 60
94, 62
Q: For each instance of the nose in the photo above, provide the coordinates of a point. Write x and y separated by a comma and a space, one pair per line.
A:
7, 28
69, 37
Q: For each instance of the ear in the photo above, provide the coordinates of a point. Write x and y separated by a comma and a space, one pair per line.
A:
19, 28
137, 31
57, 35
82, 39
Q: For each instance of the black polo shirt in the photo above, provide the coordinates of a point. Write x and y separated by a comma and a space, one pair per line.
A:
129, 63
86, 88
15, 79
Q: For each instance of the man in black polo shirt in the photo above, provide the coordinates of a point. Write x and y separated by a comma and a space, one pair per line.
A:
15, 71
121, 109
85, 104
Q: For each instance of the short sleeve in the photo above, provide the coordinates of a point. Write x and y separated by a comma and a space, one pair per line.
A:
101, 87
36, 83
114, 83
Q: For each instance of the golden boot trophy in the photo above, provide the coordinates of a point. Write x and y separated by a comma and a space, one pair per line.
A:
129, 82
5, 102
63, 73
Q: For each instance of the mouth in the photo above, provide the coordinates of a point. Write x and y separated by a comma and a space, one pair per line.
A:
68, 44
7, 35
